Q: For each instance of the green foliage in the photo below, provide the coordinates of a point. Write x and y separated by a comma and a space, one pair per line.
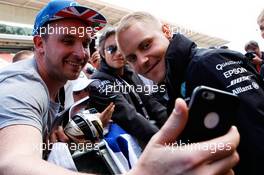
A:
6, 29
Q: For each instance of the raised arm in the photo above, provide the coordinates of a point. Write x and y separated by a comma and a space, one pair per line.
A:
162, 157
21, 153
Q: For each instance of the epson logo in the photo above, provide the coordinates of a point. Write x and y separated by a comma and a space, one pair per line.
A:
234, 71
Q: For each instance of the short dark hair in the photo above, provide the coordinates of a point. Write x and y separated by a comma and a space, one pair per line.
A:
251, 44
223, 47
106, 34
21, 55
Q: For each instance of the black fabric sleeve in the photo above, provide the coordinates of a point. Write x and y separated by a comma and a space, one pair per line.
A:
155, 110
125, 113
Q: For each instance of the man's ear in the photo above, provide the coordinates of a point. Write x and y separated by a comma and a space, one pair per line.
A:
38, 43
166, 30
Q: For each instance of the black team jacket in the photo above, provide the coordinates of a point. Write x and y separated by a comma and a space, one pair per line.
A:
188, 67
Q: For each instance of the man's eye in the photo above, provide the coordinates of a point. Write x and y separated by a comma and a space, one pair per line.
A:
68, 41
146, 46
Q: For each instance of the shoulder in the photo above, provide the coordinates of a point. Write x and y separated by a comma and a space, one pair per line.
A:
100, 86
102, 76
223, 54
23, 101
20, 82
213, 58
26, 69
100, 83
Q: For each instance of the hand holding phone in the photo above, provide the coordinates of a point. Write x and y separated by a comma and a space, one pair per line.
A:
211, 114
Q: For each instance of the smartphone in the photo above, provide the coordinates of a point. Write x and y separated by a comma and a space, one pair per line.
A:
211, 114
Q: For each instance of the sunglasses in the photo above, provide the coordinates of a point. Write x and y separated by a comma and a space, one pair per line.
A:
111, 49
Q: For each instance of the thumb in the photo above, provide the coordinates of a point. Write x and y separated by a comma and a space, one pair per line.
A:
174, 125
108, 109
106, 115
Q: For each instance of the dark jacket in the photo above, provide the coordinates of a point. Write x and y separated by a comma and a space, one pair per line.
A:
222, 69
262, 67
129, 107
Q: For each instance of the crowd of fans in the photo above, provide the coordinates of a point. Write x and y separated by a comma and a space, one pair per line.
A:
113, 70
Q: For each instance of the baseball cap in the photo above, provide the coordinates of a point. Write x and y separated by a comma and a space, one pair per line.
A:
59, 9
81, 82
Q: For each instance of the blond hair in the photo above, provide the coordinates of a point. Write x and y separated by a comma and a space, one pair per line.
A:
134, 17
260, 17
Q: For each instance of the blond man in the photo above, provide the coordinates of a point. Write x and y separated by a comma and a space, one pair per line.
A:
260, 22
154, 52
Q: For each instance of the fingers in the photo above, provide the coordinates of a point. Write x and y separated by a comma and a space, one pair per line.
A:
256, 60
106, 115
62, 137
174, 125
220, 147
59, 135
53, 137
224, 166
108, 109
94, 57
230, 172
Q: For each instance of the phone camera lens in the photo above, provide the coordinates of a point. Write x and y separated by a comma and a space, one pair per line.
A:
211, 120
208, 95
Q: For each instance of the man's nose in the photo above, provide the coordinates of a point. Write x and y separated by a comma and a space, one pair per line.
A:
142, 60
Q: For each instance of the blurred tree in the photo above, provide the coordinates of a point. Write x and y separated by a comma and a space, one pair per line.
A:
6, 29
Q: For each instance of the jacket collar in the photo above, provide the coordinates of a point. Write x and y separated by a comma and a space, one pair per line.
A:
180, 49
128, 71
